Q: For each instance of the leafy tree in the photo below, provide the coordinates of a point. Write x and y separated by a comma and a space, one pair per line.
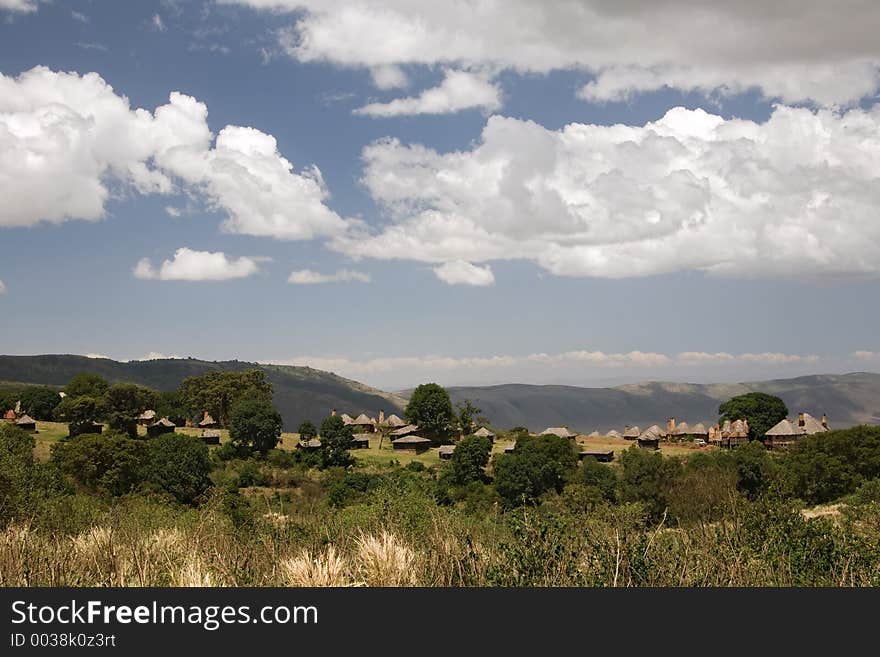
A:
336, 440
169, 404
24, 483
79, 412
39, 401
647, 477
254, 426
430, 408
86, 385
111, 464
601, 476
123, 402
179, 465
466, 414
217, 392
469, 460
536, 466
761, 410
307, 430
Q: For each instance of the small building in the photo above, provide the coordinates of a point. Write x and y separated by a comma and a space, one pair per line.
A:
483, 432
360, 441
602, 457
363, 424
730, 434
613, 434
631, 433
445, 451
510, 448
312, 444
208, 422
346, 418
146, 418
562, 432
210, 436
406, 430
87, 428
161, 427
9, 416
394, 421
648, 441
26, 423
411, 443
787, 432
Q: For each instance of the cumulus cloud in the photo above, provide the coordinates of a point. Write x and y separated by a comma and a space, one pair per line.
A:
389, 76
158, 23
189, 265
156, 355
794, 50
64, 136
459, 90
459, 272
796, 195
309, 277
171, 211
22, 6
2, 288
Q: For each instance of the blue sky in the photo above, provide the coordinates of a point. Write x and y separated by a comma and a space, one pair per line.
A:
458, 230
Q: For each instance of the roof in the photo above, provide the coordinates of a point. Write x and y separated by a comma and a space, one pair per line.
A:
164, 422
483, 432
412, 439
362, 419
699, 429
790, 427
314, 442
631, 432
446, 449
595, 434
394, 421
207, 420
405, 430
26, 419
9, 415
210, 433
147, 415
361, 437
651, 433
346, 418
613, 434
737, 429
562, 432
681, 429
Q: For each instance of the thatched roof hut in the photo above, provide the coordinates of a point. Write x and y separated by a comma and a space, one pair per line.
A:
363, 424
26, 423
160, 427
411, 443
211, 436
146, 418
445, 452
788, 431
360, 441
613, 434
9, 415
562, 432
483, 432
602, 457
595, 434
347, 419
394, 421
405, 430
314, 443
208, 422
631, 433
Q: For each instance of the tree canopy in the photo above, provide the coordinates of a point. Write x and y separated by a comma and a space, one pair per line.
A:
39, 401
469, 460
217, 392
761, 410
123, 402
254, 426
86, 385
336, 440
430, 408
537, 465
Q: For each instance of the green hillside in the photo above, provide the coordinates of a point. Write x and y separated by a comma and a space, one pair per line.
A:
300, 393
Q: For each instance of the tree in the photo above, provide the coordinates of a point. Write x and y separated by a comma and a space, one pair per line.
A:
466, 414
647, 477
179, 465
760, 410
111, 464
86, 385
217, 392
79, 412
336, 440
599, 476
537, 465
169, 404
39, 401
469, 460
123, 402
254, 426
24, 482
430, 409
307, 431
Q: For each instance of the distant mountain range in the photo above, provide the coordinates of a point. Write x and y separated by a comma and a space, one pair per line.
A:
848, 399
300, 393
303, 393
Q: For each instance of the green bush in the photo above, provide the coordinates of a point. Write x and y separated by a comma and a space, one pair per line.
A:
25, 485
109, 464
179, 465
254, 426
536, 466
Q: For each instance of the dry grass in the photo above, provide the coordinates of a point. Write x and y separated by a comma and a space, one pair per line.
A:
386, 561
324, 569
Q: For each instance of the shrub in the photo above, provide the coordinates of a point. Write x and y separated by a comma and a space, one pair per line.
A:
646, 477
24, 484
599, 476
336, 440
109, 464
469, 460
254, 426
179, 465
536, 466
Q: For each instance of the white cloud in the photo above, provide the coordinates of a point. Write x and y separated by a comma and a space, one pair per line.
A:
79, 16
796, 195
189, 265
156, 355
171, 211
458, 91
865, 355
794, 51
777, 358
2, 288
64, 136
459, 272
98, 356
158, 23
309, 277
389, 76
23, 6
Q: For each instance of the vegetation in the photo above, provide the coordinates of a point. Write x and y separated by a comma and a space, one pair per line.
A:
218, 392
86, 385
254, 426
431, 410
762, 411
307, 431
336, 440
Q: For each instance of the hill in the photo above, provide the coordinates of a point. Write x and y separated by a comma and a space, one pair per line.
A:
848, 399
300, 393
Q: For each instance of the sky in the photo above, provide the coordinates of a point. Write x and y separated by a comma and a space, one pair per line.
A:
583, 192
